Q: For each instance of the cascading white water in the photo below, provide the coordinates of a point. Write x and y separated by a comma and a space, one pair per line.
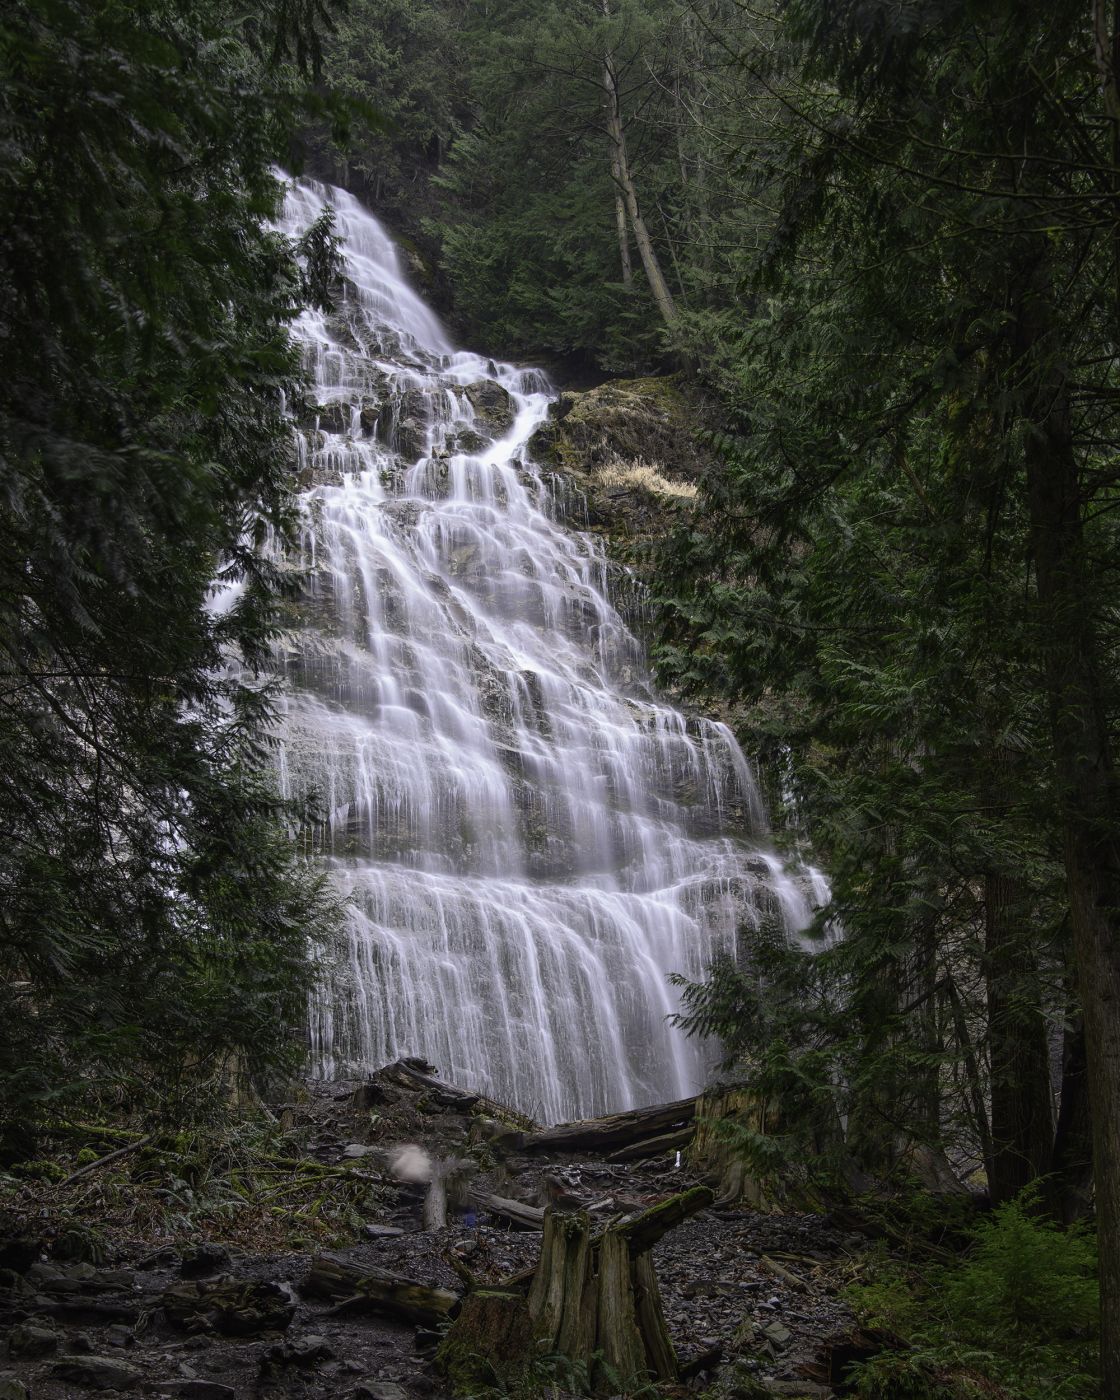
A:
531, 841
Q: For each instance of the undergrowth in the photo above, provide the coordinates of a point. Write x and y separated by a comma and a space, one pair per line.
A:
1016, 1317
245, 1182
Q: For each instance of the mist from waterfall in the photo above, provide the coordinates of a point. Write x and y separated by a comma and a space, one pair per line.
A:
531, 840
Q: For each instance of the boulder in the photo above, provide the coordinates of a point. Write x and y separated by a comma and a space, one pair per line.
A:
97, 1372
491, 403
27, 1340
203, 1259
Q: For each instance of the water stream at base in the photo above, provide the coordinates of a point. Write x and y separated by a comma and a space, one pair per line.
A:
531, 840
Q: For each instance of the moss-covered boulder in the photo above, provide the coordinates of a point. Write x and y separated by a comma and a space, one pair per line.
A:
630, 446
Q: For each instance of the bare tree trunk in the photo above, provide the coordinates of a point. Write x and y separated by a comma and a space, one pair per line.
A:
623, 232
624, 183
1070, 1185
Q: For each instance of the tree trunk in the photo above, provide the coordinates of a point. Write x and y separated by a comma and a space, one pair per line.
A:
593, 1300
620, 224
376, 1291
1022, 1117
613, 1131
1088, 809
624, 182
1070, 1187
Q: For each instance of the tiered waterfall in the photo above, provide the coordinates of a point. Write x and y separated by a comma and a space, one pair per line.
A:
531, 840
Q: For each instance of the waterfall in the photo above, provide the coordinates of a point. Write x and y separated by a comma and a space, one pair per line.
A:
530, 839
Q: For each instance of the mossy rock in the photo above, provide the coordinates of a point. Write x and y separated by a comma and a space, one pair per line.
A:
650, 419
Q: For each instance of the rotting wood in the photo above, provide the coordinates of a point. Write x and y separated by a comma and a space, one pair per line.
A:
102, 1161
418, 1075
654, 1146
592, 1298
374, 1290
779, 1271
613, 1131
518, 1212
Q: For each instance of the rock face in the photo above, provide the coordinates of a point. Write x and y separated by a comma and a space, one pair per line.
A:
492, 404
630, 448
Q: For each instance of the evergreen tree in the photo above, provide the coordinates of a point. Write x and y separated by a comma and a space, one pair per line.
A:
906, 560
155, 921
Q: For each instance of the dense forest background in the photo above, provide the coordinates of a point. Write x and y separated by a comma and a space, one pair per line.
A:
880, 239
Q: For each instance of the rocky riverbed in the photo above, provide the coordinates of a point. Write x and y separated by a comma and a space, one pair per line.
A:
752, 1300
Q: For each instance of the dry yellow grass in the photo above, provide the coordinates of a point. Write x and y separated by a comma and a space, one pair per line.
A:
639, 472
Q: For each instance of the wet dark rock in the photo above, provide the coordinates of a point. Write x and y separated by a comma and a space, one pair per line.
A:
19, 1253
491, 403
27, 1340
161, 1259
97, 1372
202, 1390
378, 1390
204, 1259
334, 417
468, 441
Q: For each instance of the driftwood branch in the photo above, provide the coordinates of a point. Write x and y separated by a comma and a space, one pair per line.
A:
101, 1161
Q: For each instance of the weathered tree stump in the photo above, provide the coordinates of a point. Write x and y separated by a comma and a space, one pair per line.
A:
715, 1154
592, 1302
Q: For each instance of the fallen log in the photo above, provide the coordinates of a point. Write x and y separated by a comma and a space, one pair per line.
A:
613, 1131
654, 1146
376, 1291
518, 1212
642, 1232
419, 1076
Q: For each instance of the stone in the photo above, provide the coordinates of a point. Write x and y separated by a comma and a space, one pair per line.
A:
334, 417
378, 1390
203, 1259
11, 1389
778, 1334
204, 1390
468, 441
306, 1351
97, 1372
382, 1232
491, 403
358, 1150
162, 1259
29, 1341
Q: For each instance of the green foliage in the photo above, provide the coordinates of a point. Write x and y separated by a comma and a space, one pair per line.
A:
1020, 1310
155, 921
858, 578
248, 1182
